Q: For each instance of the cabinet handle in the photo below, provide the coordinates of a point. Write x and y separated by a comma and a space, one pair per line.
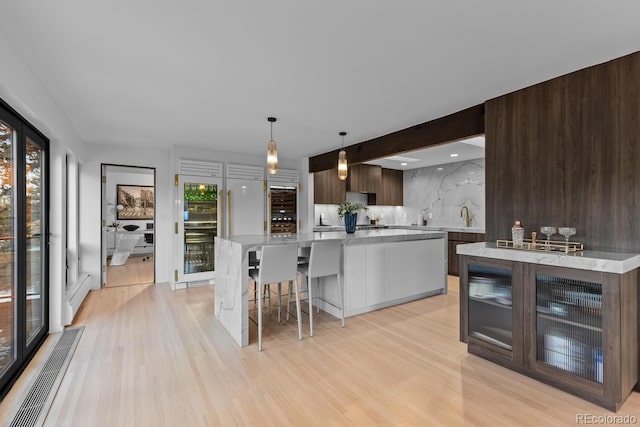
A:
219, 227
229, 213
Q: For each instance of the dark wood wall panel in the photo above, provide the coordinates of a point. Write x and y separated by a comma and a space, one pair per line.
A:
565, 152
462, 124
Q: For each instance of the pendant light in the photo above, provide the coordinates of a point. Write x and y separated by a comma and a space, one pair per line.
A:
272, 151
342, 160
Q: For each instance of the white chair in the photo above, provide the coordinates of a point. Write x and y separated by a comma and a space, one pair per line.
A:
278, 263
324, 261
254, 263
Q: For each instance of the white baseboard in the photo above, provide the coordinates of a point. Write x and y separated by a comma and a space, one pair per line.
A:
200, 283
184, 285
76, 295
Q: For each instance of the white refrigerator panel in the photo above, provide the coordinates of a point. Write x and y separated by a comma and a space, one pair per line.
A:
246, 206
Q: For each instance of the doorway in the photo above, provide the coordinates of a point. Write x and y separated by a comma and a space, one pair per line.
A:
128, 225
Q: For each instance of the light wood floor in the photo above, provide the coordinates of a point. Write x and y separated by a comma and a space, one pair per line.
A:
153, 357
137, 270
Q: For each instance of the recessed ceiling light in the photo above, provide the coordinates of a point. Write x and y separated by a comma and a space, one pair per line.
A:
402, 159
453, 155
403, 164
439, 169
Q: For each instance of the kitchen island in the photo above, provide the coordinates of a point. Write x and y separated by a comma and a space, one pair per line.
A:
379, 268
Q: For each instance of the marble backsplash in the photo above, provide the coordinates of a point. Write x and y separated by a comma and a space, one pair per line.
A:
441, 193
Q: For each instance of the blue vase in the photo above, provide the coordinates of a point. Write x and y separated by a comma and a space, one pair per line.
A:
350, 222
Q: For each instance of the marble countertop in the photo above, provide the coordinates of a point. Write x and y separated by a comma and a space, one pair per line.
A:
440, 228
138, 231
607, 262
408, 227
359, 237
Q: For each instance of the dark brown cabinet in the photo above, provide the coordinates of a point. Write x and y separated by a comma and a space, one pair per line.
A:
383, 186
364, 179
574, 329
391, 192
328, 188
459, 238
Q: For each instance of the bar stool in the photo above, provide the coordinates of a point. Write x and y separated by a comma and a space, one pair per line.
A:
324, 261
254, 263
278, 263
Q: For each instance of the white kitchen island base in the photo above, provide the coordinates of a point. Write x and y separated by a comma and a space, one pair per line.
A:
380, 268
379, 275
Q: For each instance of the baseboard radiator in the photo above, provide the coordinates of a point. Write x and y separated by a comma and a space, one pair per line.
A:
78, 294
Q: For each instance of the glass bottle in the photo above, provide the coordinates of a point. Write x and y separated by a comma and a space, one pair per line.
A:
517, 235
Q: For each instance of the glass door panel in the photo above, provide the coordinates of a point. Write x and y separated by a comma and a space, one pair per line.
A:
282, 210
7, 248
35, 241
569, 325
490, 305
200, 216
23, 242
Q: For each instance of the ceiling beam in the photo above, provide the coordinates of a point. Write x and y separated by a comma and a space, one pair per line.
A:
463, 124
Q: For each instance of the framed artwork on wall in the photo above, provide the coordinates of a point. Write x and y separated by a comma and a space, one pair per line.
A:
135, 201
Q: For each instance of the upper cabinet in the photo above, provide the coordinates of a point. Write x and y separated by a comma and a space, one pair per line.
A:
391, 193
383, 186
328, 188
364, 179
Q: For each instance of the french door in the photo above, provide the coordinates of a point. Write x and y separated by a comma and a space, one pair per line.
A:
24, 235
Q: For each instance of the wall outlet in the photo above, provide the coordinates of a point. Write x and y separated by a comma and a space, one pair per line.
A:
430, 215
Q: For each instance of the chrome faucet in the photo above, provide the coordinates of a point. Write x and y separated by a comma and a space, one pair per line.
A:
466, 217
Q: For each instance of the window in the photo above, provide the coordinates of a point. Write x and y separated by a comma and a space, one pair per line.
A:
24, 284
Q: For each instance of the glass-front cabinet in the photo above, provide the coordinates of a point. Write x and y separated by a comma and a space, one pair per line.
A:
283, 215
490, 305
200, 222
573, 328
282, 202
569, 325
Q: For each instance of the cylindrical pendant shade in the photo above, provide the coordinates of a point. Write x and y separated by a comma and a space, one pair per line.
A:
342, 165
272, 157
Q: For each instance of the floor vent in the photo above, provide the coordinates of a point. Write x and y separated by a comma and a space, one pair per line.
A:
35, 406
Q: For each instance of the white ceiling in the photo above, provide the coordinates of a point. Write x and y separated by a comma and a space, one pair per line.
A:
208, 73
458, 151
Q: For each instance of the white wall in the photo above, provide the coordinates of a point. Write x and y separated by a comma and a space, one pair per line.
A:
90, 203
20, 88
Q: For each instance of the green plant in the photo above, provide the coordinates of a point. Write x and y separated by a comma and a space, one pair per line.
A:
350, 208
114, 224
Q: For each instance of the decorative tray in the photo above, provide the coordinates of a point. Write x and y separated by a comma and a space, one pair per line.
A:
542, 246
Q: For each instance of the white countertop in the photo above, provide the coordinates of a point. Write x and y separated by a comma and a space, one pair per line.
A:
607, 262
408, 227
138, 231
359, 237
440, 228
